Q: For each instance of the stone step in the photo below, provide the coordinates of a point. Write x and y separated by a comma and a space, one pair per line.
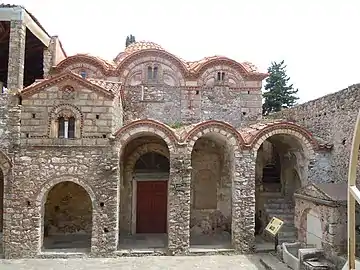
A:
278, 205
287, 234
279, 209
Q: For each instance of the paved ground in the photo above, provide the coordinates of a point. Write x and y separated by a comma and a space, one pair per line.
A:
149, 263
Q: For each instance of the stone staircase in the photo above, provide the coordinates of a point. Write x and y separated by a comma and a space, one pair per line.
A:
278, 207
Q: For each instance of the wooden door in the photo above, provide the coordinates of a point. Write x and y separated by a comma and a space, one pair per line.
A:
151, 207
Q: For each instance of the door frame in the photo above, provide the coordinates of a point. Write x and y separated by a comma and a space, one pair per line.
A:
134, 200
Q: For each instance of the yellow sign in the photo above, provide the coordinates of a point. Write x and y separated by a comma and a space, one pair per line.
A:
274, 226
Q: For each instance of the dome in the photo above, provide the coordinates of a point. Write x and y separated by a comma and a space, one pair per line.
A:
135, 47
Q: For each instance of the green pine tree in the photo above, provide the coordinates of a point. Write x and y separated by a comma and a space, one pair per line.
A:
130, 39
278, 94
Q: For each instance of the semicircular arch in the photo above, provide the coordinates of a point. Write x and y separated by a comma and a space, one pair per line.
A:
146, 126
214, 126
82, 59
151, 52
304, 137
221, 61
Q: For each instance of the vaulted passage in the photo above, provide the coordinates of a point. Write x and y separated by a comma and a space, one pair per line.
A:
144, 193
280, 165
212, 162
68, 217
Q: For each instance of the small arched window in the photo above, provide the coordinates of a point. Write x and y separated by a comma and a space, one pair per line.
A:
83, 74
150, 73
155, 73
66, 127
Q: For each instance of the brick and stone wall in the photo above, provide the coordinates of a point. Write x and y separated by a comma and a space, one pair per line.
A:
332, 118
37, 171
93, 112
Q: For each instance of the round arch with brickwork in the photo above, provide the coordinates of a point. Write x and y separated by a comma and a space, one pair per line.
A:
42, 196
303, 136
83, 58
151, 52
146, 126
217, 127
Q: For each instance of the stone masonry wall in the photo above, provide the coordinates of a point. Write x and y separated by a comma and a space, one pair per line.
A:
331, 117
210, 189
37, 170
93, 111
234, 106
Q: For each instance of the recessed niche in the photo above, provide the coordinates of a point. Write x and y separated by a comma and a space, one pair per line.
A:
97, 116
102, 204
106, 230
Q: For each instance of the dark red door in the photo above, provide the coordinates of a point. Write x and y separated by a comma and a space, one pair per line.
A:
151, 207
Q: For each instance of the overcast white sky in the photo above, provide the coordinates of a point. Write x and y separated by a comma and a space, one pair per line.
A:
318, 39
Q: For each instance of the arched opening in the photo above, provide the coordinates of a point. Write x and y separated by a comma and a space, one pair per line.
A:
1, 209
67, 217
212, 160
280, 170
144, 193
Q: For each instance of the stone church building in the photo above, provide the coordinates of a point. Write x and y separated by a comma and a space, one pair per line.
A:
148, 151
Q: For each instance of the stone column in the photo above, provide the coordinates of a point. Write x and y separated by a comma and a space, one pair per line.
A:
15, 78
106, 232
48, 57
179, 203
243, 202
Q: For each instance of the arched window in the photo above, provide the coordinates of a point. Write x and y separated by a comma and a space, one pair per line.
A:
150, 73
155, 73
66, 127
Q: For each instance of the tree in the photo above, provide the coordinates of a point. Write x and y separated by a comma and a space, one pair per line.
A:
129, 39
278, 94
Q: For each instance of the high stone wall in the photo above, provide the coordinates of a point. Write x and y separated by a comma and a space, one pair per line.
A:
331, 118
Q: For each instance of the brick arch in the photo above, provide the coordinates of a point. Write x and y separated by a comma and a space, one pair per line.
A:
5, 164
131, 160
213, 126
221, 61
135, 128
82, 58
42, 197
300, 134
45, 188
151, 52
60, 109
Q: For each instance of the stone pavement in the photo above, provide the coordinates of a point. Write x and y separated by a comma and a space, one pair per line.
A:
250, 262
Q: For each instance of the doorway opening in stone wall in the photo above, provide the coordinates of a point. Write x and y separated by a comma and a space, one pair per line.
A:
212, 161
67, 218
1, 210
281, 160
144, 194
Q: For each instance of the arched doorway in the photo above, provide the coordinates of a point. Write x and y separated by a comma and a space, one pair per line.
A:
67, 217
145, 170
280, 170
151, 174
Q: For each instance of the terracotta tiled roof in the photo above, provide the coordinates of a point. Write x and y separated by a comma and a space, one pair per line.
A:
248, 133
106, 63
102, 86
135, 47
113, 87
